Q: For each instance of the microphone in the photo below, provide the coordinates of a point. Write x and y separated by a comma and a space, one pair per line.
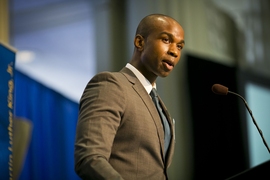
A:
222, 90
219, 89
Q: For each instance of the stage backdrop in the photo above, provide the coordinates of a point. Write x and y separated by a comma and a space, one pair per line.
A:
53, 119
7, 61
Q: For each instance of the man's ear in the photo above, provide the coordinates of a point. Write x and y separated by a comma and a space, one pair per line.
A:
139, 42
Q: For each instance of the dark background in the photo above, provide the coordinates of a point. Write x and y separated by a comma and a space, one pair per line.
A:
219, 142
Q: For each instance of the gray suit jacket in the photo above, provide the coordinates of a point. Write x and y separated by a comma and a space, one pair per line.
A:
119, 131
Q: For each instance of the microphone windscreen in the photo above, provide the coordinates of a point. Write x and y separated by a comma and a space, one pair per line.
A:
219, 89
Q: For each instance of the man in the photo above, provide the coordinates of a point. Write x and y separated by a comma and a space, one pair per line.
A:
120, 134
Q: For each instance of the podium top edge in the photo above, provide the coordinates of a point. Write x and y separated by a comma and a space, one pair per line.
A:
8, 46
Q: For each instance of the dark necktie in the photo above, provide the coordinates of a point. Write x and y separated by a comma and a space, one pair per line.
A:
166, 127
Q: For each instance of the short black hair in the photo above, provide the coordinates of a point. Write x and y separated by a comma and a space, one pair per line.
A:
145, 26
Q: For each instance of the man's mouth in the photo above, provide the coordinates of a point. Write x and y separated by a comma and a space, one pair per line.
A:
168, 64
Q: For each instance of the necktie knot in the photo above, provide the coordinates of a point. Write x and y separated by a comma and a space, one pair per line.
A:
153, 93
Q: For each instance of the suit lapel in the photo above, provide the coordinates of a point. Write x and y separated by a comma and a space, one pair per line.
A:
140, 90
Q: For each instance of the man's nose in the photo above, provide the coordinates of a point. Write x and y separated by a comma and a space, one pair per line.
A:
173, 50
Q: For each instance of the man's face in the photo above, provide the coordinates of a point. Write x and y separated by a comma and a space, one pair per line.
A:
162, 48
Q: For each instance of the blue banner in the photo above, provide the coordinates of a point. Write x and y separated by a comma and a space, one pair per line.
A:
7, 63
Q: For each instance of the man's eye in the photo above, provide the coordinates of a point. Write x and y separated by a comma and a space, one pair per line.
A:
166, 40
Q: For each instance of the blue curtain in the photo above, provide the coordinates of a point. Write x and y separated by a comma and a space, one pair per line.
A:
54, 117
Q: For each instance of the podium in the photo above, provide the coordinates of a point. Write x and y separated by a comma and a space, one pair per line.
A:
259, 172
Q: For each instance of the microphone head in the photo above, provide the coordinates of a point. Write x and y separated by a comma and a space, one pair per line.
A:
219, 89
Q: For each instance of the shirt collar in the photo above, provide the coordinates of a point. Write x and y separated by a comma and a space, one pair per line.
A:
146, 84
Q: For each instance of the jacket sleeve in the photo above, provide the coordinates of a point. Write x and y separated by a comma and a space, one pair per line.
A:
101, 107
